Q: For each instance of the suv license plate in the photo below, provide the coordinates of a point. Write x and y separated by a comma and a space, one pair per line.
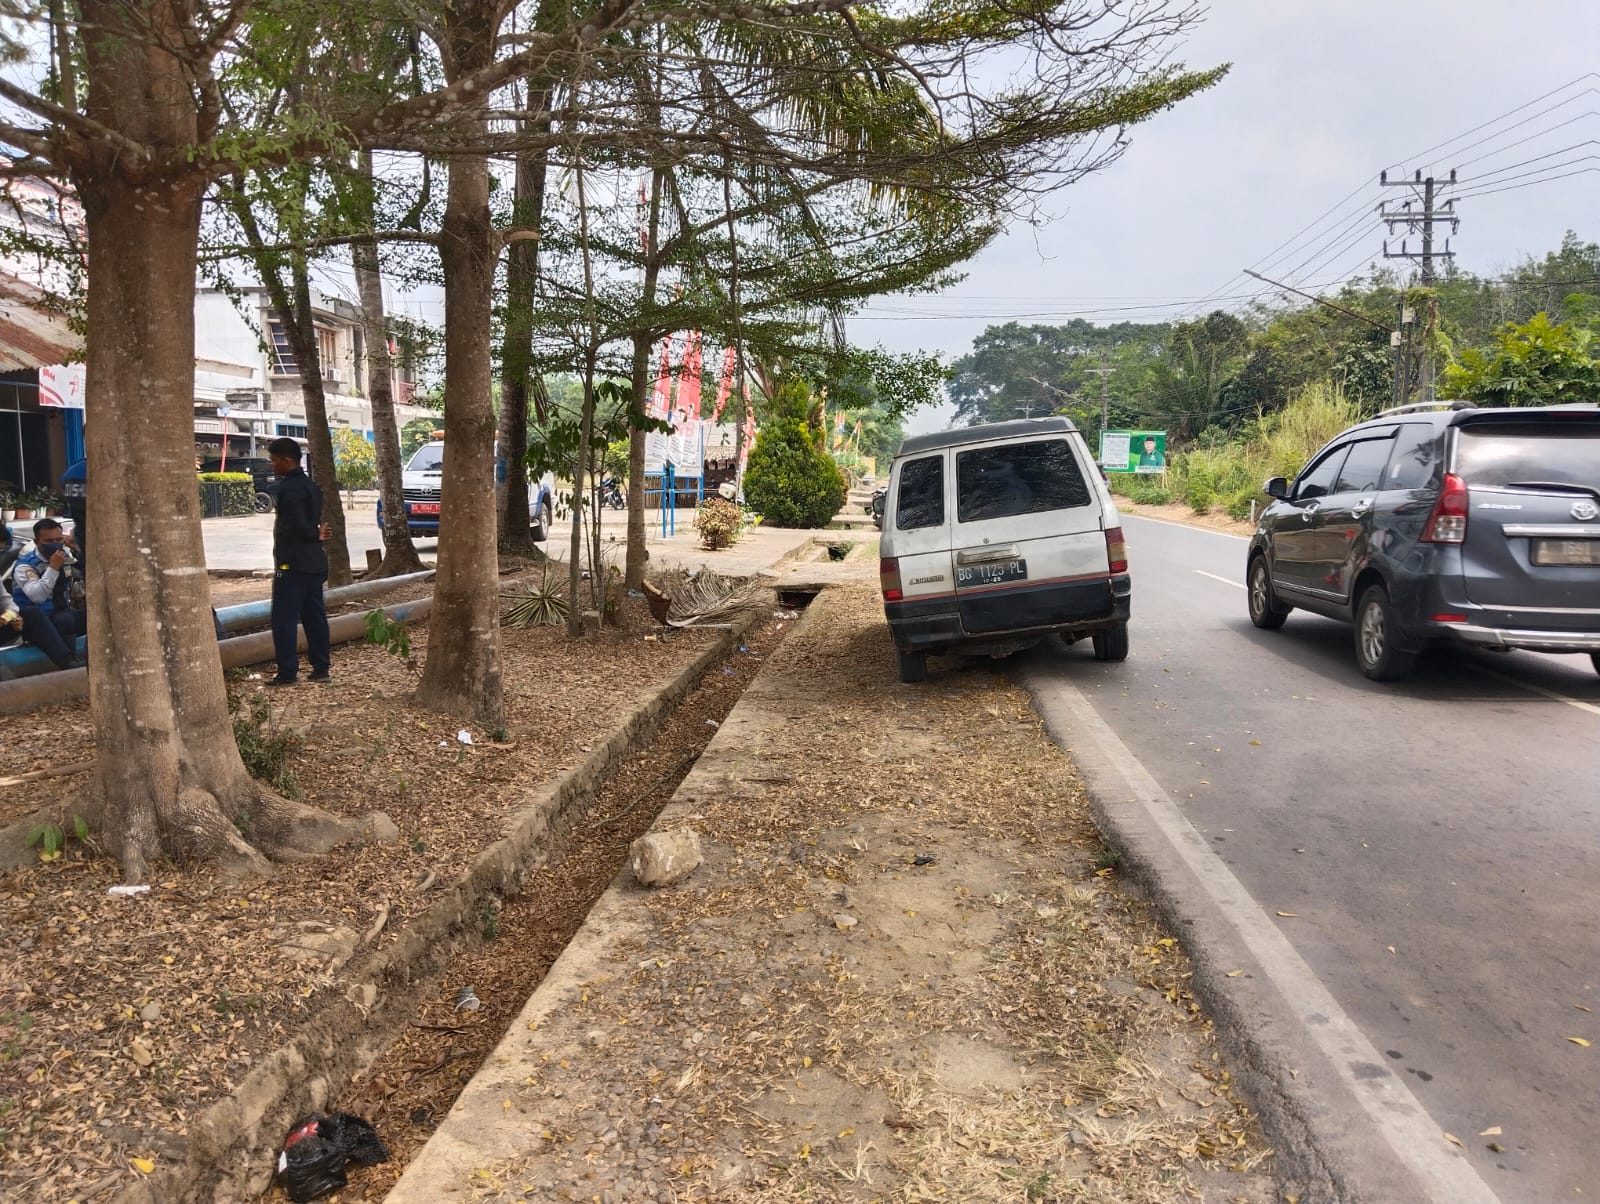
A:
995, 573
1566, 551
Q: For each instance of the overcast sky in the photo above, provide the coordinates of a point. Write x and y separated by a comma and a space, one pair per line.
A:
1322, 96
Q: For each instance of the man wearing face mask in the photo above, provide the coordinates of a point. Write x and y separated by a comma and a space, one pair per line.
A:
42, 590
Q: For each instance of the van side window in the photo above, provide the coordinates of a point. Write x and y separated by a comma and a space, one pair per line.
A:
1364, 466
1018, 478
1415, 462
921, 496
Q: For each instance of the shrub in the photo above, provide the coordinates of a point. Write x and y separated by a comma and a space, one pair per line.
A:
237, 490
791, 481
718, 520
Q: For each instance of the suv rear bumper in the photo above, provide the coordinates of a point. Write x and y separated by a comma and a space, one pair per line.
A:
1531, 640
932, 626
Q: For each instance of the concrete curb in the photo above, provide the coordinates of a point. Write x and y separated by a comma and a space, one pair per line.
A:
1345, 1129
478, 1130
232, 1142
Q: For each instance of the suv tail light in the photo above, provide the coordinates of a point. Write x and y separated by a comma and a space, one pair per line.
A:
1116, 550
1448, 522
889, 578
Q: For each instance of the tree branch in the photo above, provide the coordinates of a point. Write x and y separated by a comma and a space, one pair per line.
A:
84, 127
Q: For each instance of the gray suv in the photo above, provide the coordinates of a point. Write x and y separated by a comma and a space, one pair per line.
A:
1429, 525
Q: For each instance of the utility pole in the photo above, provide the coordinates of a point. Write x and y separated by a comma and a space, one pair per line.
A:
1103, 371
1420, 215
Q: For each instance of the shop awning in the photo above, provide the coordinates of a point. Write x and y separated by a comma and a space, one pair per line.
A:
31, 335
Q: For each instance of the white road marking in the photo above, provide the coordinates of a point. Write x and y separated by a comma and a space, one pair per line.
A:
1394, 1112
1533, 689
1167, 522
1224, 580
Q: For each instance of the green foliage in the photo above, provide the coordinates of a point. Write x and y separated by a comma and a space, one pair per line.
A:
355, 460
542, 604
264, 746
51, 839
718, 520
237, 489
389, 634
414, 434
1537, 362
791, 481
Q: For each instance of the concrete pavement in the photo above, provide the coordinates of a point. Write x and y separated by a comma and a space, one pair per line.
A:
1415, 870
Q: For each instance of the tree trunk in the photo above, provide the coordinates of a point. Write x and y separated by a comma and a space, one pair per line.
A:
516, 358
579, 478
399, 553
323, 469
462, 675
168, 778
638, 553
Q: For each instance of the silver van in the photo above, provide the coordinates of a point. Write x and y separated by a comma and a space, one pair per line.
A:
997, 536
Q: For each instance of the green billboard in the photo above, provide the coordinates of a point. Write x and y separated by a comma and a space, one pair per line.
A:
1133, 451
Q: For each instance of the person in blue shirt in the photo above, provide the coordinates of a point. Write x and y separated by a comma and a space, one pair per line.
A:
42, 590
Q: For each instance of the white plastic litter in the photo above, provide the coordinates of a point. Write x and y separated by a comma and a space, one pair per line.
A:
127, 891
464, 736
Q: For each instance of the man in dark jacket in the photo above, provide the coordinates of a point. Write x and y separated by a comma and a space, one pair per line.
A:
299, 568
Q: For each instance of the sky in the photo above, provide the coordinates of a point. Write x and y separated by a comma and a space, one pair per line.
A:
1321, 97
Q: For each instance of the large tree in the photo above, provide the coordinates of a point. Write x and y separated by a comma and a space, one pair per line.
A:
139, 105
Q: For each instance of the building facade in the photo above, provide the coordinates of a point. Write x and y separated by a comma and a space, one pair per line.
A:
247, 383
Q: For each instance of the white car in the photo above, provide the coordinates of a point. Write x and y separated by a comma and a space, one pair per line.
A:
997, 536
420, 482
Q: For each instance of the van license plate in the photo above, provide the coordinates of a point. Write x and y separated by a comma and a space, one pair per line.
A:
996, 573
1566, 551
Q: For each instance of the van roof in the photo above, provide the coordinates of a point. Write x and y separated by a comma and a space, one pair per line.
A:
985, 432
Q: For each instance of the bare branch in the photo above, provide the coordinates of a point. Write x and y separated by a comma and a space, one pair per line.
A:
73, 122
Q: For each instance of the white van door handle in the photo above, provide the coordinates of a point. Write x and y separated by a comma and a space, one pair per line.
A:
1307, 513
1362, 506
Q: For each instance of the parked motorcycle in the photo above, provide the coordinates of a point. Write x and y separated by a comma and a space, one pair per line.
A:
880, 496
611, 496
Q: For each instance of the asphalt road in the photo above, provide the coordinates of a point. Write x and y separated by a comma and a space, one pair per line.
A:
1438, 840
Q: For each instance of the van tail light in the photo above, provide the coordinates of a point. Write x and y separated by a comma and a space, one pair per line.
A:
889, 578
1448, 522
1116, 550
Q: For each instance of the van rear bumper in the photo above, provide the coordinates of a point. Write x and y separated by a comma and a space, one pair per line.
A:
929, 626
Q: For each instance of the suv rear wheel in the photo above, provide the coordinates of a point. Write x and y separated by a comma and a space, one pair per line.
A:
1266, 612
913, 666
1377, 635
1111, 643
263, 502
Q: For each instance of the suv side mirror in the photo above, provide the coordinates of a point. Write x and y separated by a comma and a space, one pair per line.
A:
1277, 487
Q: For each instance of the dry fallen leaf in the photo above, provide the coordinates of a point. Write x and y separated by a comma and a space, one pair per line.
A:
1453, 1140
143, 1164
1235, 973
1491, 1131
1580, 1041
1289, 915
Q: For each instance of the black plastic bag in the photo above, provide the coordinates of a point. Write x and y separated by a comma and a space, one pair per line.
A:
314, 1154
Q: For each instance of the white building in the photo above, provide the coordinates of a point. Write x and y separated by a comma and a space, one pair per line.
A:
247, 384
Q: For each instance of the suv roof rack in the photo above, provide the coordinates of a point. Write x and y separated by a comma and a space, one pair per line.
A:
1454, 404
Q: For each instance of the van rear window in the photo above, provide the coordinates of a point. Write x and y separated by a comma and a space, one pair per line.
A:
921, 501
1562, 453
1018, 478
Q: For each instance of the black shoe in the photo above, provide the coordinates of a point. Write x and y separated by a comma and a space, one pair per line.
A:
282, 681
321, 676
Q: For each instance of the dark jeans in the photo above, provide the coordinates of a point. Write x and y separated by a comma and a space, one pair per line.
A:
54, 633
297, 601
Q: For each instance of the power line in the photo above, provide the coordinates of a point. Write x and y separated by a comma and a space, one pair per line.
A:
1571, 83
1583, 171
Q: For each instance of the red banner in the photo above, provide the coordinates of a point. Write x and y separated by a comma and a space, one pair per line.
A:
730, 365
661, 397
687, 410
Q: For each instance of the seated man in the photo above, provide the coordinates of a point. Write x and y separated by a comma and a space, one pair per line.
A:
41, 588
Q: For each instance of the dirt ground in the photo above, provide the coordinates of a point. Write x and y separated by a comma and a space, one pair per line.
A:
122, 1017
905, 972
410, 1089
1179, 512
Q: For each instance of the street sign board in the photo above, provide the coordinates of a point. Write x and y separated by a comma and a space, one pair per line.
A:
1133, 451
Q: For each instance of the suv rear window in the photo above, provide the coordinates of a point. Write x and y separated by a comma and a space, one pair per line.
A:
1018, 478
1565, 453
921, 501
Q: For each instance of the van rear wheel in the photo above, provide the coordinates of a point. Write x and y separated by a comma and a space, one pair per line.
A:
1378, 650
913, 666
1111, 643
